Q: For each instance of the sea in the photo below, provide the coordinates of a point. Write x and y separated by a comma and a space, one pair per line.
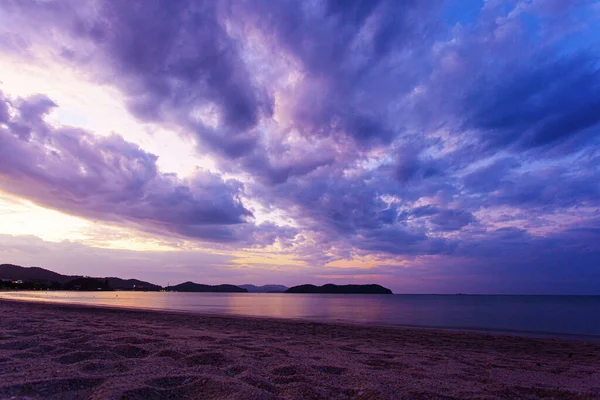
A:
575, 317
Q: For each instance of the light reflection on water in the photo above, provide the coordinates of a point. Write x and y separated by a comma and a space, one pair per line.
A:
557, 315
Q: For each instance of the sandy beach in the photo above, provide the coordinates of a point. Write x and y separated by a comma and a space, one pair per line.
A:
75, 352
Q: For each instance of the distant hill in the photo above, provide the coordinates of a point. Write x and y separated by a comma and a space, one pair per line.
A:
16, 272
41, 275
197, 287
132, 284
90, 284
35, 277
340, 289
264, 288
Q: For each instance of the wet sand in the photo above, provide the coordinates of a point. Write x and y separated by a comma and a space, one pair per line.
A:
77, 352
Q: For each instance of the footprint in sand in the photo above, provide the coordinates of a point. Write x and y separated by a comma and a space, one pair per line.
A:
73, 358
205, 338
331, 370
263, 354
175, 355
384, 364
211, 358
285, 371
286, 380
287, 374
49, 388
260, 383
235, 370
170, 381
27, 333
198, 387
93, 366
248, 348
128, 351
241, 337
350, 349
45, 348
25, 355
147, 393
81, 339
19, 345
135, 340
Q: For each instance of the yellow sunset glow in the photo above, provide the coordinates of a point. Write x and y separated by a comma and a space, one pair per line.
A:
366, 262
22, 217
244, 259
100, 109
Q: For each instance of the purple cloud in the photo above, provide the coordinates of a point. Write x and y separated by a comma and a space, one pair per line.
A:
107, 178
346, 51
170, 58
4, 116
540, 103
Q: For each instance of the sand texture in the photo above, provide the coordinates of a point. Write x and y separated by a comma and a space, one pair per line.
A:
73, 352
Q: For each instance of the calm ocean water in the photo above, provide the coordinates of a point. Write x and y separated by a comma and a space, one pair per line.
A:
534, 315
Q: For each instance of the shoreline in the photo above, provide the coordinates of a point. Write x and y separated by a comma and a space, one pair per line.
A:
66, 351
473, 330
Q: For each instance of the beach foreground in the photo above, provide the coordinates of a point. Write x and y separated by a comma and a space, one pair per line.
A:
77, 352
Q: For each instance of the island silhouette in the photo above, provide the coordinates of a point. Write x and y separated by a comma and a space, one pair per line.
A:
198, 287
16, 277
330, 288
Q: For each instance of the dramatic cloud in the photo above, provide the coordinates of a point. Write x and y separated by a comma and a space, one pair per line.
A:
350, 61
430, 133
110, 179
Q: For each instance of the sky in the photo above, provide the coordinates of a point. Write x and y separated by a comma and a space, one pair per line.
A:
428, 146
